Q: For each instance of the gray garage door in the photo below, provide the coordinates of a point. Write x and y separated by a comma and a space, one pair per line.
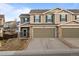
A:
44, 32
70, 32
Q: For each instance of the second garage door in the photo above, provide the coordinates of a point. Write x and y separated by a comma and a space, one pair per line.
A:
70, 32
44, 32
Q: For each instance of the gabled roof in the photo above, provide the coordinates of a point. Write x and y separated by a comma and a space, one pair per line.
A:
39, 10
74, 10
48, 10
52, 9
59, 9
24, 15
74, 22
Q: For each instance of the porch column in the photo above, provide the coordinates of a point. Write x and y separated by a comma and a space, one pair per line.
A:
30, 31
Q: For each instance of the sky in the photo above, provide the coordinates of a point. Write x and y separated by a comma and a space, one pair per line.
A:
13, 10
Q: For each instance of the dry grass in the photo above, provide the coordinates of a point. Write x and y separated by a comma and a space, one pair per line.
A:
13, 44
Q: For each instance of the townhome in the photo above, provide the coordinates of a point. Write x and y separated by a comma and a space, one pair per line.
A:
2, 21
50, 23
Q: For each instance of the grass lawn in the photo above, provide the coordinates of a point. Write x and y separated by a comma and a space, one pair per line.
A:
13, 44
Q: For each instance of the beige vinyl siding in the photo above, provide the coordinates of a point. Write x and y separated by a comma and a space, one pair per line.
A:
70, 32
31, 19
44, 32
57, 19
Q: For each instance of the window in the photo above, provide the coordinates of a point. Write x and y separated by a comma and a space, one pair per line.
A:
49, 18
25, 20
36, 18
77, 17
63, 17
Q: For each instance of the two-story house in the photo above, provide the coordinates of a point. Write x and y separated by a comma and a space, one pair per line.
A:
2, 21
10, 27
50, 23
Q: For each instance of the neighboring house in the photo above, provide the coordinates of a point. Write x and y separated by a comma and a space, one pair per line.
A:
10, 27
50, 23
2, 21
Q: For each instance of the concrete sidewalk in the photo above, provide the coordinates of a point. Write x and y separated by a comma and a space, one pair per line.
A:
7, 53
53, 52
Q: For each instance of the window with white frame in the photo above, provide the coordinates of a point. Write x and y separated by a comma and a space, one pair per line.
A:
49, 18
63, 17
37, 18
25, 20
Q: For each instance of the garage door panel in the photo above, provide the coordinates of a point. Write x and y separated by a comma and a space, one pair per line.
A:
70, 32
43, 32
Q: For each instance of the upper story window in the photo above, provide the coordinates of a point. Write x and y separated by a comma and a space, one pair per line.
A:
36, 18
77, 17
25, 20
63, 17
49, 18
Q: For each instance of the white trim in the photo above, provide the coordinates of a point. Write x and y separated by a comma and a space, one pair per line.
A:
49, 22
24, 23
70, 27
70, 24
67, 23
37, 22
65, 10
59, 8
49, 10
44, 27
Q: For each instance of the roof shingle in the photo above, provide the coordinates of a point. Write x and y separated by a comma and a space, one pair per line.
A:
24, 15
39, 10
74, 10
44, 10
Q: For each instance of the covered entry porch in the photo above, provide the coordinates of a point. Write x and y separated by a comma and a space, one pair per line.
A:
24, 33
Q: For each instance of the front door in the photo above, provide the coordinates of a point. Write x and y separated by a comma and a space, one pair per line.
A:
25, 32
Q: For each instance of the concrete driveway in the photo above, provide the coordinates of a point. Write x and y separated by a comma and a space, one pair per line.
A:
43, 46
74, 42
46, 44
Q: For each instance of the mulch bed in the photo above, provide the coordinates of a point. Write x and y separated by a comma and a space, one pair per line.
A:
14, 45
7, 36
